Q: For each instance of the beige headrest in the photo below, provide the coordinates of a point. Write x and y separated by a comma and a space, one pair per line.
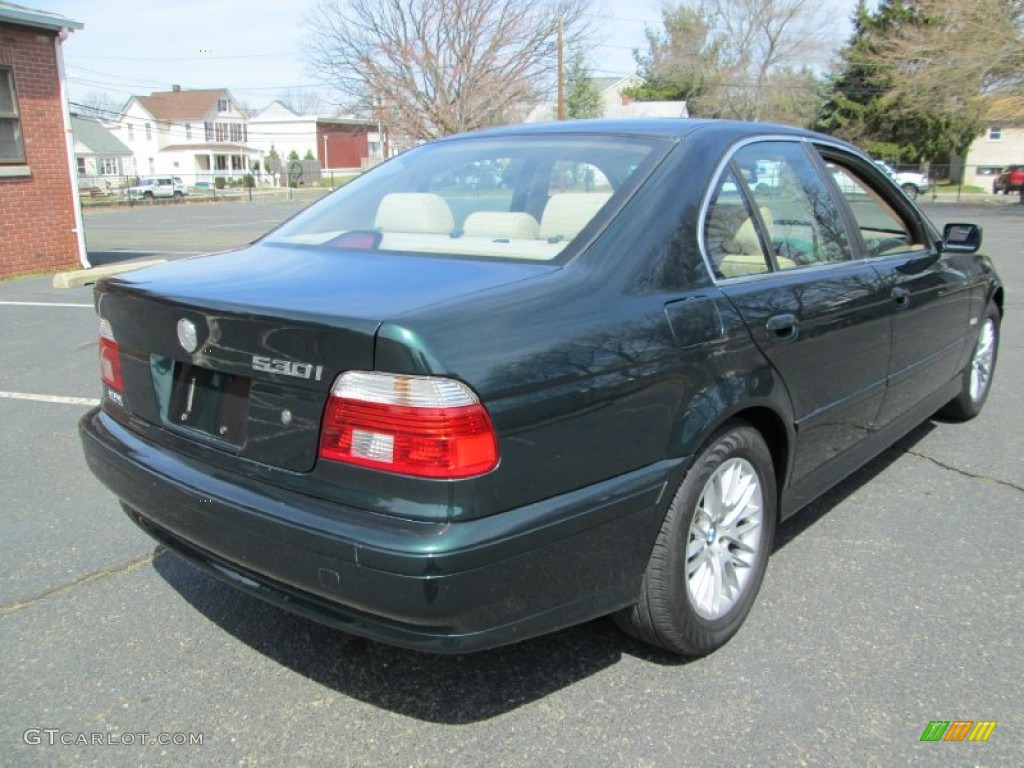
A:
414, 212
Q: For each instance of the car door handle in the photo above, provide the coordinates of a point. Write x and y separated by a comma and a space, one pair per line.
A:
782, 327
901, 296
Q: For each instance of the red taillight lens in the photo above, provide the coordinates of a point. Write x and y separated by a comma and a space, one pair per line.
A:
412, 425
110, 358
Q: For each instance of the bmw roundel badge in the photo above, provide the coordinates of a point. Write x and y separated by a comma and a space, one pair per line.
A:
187, 335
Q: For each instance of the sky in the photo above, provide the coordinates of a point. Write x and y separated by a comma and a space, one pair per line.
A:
255, 47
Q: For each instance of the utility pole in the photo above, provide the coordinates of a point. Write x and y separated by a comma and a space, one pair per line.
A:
561, 74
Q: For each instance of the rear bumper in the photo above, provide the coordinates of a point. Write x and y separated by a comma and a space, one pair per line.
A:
442, 587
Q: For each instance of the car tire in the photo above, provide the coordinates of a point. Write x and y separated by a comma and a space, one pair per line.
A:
147, 195
976, 378
177, 195
911, 191
693, 598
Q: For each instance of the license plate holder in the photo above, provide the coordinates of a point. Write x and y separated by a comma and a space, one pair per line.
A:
211, 402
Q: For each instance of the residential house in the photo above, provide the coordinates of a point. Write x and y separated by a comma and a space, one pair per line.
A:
197, 135
616, 103
337, 143
102, 161
40, 218
1001, 144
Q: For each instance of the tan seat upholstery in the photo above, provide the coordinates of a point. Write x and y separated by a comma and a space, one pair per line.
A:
746, 239
569, 212
415, 212
742, 254
501, 224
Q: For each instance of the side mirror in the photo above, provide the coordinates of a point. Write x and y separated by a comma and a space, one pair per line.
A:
961, 238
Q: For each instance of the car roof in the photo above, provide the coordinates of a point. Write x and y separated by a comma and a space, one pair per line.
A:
658, 127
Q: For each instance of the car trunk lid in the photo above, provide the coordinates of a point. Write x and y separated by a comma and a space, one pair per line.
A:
238, 351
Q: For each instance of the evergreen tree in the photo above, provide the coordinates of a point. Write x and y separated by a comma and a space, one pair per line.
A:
582, 97
863, 103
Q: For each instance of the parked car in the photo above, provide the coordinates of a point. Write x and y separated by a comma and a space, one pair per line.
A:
1011, 179
157, 186
912, 182
450, 420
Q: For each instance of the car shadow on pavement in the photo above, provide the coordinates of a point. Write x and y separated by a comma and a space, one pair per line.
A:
435, 688
449, 689
817, 509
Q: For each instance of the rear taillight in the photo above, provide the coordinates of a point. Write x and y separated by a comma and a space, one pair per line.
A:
413, 425
110, 358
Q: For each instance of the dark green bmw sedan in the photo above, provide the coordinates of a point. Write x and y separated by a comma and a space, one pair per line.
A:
510, 381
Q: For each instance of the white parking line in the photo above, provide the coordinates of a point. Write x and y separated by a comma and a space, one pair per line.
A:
50, 398
43, 304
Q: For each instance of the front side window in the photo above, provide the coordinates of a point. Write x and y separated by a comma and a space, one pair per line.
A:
883, 230
504, 197
12, 144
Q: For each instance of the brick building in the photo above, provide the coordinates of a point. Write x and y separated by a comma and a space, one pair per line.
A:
40, 218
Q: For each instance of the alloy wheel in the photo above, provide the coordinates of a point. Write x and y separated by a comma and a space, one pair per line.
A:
725, 538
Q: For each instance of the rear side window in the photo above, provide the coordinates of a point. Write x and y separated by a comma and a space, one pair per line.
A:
801, 219
731, 235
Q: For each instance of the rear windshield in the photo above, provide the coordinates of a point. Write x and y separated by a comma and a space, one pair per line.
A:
509, 197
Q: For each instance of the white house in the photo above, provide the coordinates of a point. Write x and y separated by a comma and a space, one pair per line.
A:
337, 143
101, 159
195, 134
1001, 144
615, 103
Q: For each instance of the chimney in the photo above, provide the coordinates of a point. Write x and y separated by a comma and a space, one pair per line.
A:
176, 88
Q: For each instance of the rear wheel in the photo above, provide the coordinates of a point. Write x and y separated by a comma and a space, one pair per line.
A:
710, 556
977, 376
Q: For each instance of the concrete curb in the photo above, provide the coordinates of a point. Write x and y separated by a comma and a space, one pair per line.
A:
79, 277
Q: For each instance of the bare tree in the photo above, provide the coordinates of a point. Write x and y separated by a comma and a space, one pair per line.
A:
98, 104
742, 59
762, 40
436, 67
957, 58
303, 101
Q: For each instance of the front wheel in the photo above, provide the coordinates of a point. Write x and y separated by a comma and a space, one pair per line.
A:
976, 379
710, 557
911, 191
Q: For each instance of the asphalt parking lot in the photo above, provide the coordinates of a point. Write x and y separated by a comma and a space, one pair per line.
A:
893, 601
